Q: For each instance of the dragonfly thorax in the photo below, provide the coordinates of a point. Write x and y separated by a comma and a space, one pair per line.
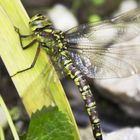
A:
44, 32
51, 39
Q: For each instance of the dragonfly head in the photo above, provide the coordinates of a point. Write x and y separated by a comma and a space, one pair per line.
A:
38, 22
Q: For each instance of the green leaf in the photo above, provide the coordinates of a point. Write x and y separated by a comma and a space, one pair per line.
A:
50, 124
40, 85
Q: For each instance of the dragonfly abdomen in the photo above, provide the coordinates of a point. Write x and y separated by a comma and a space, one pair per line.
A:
85, 91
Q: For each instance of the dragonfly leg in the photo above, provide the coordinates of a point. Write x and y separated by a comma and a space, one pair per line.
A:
24, 36
33, 63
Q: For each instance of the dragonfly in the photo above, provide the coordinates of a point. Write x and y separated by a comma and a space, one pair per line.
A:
99, 50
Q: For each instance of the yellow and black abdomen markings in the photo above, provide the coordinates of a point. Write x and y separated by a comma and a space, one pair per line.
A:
85, 91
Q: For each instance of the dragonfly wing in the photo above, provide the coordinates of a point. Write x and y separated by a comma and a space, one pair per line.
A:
117, 61
119, 29
104, 34
107, 49
128, 17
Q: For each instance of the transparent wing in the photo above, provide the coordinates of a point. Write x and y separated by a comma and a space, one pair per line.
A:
128, 17
119, 29
119, 60
107, 49
39, 90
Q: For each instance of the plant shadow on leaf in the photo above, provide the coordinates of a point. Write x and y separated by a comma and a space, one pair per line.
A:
43, 78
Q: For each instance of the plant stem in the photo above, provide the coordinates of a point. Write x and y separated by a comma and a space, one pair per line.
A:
1, 134
9, 119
